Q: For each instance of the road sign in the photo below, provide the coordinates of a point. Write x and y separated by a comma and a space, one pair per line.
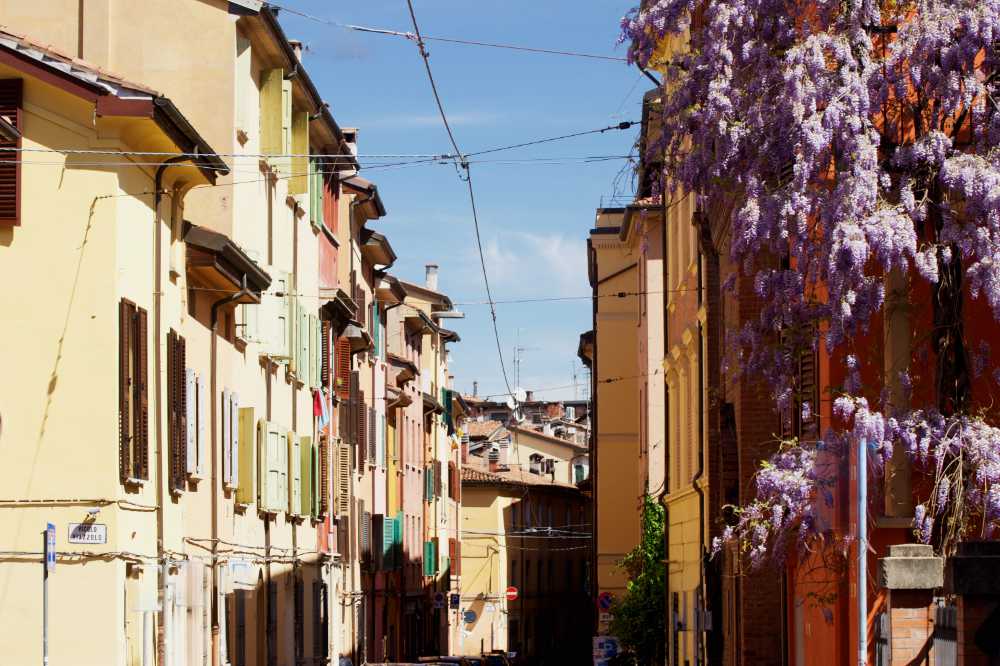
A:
511, 593
469, 616
50, 547
604, 600
438, 600
88, 533
454, 601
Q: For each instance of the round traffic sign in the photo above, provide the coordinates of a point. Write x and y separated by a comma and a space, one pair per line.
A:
469, 616
511, 593
604, 600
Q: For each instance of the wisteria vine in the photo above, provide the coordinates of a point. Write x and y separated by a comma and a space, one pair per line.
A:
853, 139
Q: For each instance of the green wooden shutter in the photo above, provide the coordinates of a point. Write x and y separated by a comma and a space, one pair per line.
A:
318, 490
429, 483
307, 484
314, 352
285, 163
263, 466
302, 365
429, 558
388, 531
246, 490
299, 165
397, 541
294, 474
271, 110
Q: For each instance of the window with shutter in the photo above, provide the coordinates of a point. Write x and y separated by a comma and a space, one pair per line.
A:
451, 556
299, 182
294, 460
324, 478
362, 430
191, 415
314, 485
397, 540
437, 478
133, 407
388, 534
343, 536
324, 350
364, 533
372, 439
11, 92
343, 479
315, 355
232, 447
247, 472
271, 110
429, 483
307, 481
177, 410
343, 368
352, 426
430, 559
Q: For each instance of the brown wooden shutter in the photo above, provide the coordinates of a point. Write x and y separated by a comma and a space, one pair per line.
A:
11, 91
355, 388
343, 368
324, 476
140, 450
324, 346
177, 409
372, 436
362, 420
126, 313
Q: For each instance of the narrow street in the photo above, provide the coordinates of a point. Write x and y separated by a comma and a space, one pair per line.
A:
622, 333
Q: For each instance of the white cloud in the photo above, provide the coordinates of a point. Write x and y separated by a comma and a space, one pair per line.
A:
539, 264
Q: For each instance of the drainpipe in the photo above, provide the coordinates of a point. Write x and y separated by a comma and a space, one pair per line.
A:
161, 488
862, 546
214, 392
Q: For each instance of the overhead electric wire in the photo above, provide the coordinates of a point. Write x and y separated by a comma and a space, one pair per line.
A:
449, 40
472, 196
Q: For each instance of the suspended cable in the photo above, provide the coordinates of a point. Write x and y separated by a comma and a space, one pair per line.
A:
450, 40
472, 196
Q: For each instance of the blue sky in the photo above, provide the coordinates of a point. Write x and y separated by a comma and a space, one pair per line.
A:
534, 217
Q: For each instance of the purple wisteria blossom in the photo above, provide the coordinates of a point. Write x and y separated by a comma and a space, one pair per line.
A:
855, 138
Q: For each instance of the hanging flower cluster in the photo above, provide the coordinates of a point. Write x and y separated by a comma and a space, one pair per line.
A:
858, 138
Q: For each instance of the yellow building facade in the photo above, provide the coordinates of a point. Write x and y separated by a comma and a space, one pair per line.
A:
184, 503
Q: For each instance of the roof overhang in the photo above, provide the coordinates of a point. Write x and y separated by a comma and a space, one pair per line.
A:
418, 321
390, 291
585, 350
431, 404
459, 401
376, 249
215, 262
341, 308
397, 398
374, 208
436, 298
358, 337
406, 369
450, 336
112, 97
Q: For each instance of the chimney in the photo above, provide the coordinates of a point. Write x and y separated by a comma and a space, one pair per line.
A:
529, 396
431, 276
351, 139
297, 47
475, 389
